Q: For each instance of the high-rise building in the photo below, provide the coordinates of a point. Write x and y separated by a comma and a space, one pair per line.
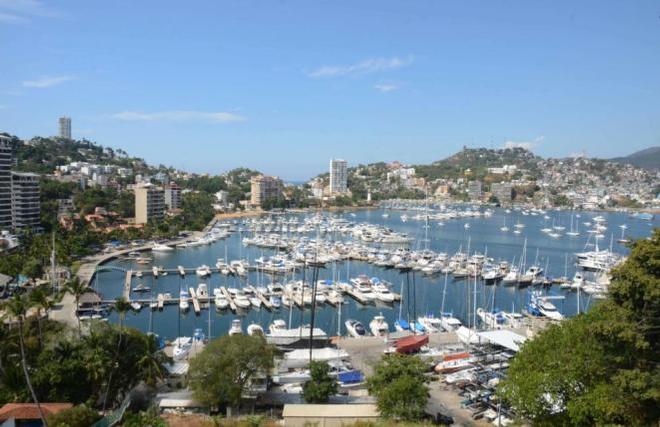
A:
149, 203
338, 176
264, 187
173, 196
65, 127
474, 190
25, 205
5, 181
503, 191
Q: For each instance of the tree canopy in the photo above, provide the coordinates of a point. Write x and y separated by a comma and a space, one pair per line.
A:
321, 386
601, 367
221, 372
399, 385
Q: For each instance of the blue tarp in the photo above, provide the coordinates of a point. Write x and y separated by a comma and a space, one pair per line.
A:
404, 324
351, 377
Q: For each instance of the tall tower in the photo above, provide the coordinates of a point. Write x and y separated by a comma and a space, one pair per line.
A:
6, 149
338, 176
65, 127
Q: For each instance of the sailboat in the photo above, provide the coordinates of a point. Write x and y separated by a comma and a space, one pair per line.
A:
623, 228
447, 320
504, 228
573, 233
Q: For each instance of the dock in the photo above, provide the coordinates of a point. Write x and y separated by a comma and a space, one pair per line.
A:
127, 285
265, 301
227, 295
195, 300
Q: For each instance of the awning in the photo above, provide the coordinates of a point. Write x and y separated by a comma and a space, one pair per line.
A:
504, 338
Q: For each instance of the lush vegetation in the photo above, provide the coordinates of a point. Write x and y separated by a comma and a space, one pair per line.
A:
42, 360
601, 367
321, 386
221, 373
399, 385
78, 416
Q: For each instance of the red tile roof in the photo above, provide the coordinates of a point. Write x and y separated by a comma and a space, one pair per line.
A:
29, 411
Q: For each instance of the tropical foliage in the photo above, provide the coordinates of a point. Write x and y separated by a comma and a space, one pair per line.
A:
399, 385
601, 367
221, 373
63, 367
321, 386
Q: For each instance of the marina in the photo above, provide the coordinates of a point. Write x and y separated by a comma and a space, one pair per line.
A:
344, 247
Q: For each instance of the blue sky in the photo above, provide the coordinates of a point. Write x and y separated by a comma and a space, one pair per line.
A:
283, 86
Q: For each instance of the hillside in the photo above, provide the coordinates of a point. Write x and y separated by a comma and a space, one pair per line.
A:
478, 160
43, 155
647, 159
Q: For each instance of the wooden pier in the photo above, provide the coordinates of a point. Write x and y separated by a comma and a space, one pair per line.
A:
127, 285
195, 301
227, 295
266, 303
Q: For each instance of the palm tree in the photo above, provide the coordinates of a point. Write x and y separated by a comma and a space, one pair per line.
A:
17, 307
40, 299
76, 288
121, 306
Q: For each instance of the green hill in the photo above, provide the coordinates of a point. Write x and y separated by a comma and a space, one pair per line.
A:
648, 159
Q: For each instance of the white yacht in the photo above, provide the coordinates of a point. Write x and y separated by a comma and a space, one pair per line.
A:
382, 292
548, 309
235, 328
255, 330
221, 302
184, 296
355, 328
159, 247
379, 326
203, 271
242, 301
449, 322
430, 323
279, 334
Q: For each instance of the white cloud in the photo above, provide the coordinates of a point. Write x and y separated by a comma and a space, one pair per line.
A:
48, 81
386, 87
180, 116
527, 145
367, 66
11, 18
19, 11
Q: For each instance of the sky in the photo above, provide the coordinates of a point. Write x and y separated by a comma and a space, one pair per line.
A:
283, 86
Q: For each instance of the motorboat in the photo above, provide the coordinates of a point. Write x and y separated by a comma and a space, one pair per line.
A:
182, 346
355, 328
159, 247
401, 325
221, 302
184, 296
235, 328
449, 323
255, 302
379, 326
136, 306
275, 301
255, 330
202, 291
381, 291
431, 323
455, 362
203, 271
280, 335
492, 320
242, 301
141, 287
